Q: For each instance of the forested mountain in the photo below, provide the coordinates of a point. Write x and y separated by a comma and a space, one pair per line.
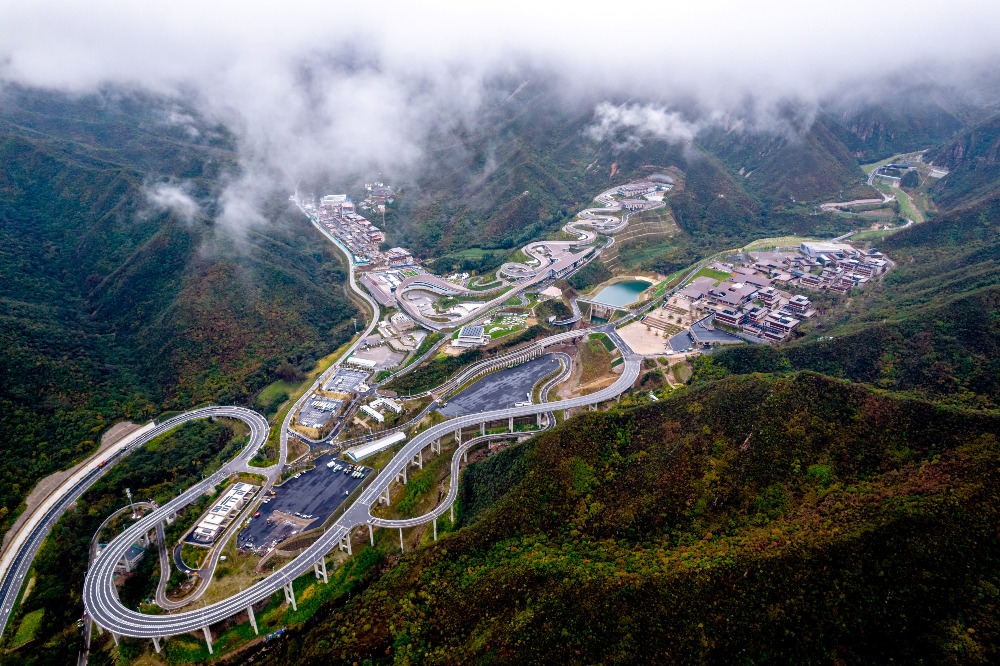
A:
933, 327
833, 499
784, 168
530, 163
840, 507
973, 158
911, 120
112, 308
755, 520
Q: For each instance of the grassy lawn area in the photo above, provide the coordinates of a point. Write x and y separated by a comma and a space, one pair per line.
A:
604, 339
28, 627
873, 234
778, 241
501, 331
868, 168
718, 276
275, 390
274, 395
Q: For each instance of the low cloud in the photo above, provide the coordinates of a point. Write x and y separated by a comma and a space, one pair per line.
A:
639, 121
174, 198
339, 89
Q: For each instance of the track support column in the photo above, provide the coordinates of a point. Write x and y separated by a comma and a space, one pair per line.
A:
290, 596
208, 637
253, 619
319, 568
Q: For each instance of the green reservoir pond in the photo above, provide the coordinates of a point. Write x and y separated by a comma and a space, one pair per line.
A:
622, 293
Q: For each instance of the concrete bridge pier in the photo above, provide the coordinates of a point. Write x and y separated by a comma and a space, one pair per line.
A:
208, 637
100, 629
371, 534
114, 636
436, 446
253, 619
289, 595
511, 426
435, 529
482, 429
156, 644
418, 459
384, 499
401, 540
401, 477
538, 418
458, 437
345, 544
452, 509
319, 568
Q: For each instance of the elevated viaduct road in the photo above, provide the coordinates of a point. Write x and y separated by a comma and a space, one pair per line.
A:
11, 585
100, 596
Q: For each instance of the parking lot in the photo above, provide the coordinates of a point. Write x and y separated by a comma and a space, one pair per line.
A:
317, 412
344, 381
683, 340
502, 389
299, 504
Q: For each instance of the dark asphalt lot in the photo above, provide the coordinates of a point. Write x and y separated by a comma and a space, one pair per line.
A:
681, 341
317, 492
501, 389
714, 335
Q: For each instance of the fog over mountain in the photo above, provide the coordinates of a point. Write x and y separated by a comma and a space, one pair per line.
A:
321, 86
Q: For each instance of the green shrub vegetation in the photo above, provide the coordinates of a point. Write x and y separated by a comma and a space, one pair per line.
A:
160, 471
791, 520
111, 309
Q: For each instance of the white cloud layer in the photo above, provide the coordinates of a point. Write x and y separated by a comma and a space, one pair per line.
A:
327, 85
174, 198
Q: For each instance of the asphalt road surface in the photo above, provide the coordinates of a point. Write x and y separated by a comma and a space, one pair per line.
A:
316, 493
501, 389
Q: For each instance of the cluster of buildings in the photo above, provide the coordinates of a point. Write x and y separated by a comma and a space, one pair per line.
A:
754, 299
379, 194
377, 408
338, 214
840, 267
222, 513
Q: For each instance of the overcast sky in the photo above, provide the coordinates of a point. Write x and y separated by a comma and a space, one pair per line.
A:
414, 63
